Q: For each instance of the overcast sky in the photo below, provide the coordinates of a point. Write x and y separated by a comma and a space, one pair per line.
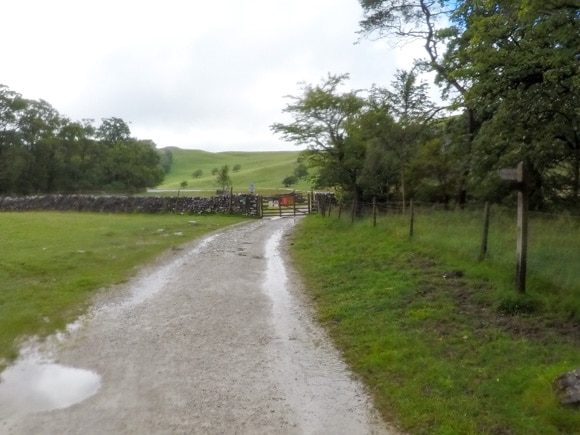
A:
195, 74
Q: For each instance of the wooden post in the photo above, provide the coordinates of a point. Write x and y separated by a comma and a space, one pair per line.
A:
260, 206
353, 210
309, 203
519, 177
294, 203
411, 228
280, 206
485, 234
231, 199
522, 244
374, 211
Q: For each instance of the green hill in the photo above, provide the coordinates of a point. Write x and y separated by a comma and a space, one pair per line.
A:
265, 169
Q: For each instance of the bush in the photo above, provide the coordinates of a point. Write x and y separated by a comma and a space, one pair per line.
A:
289, 180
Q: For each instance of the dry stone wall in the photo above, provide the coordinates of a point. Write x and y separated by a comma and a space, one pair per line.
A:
239, 204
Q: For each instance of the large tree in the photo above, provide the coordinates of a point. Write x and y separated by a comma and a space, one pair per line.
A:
522, 62
403, 114
427, 20
322, 116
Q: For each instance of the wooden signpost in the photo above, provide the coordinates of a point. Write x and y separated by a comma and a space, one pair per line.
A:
518, 177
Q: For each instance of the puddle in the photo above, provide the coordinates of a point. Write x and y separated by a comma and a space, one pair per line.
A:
35, 385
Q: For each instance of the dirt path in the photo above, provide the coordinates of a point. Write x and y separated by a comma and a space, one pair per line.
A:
213, 339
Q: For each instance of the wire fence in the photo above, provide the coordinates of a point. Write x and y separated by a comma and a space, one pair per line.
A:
553, 240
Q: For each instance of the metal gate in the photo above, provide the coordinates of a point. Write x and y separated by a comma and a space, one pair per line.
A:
285, 205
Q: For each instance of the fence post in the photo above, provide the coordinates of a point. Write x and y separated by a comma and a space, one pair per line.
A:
522, 244
329, 201
294, 203
411, 227
485, 234
231, 198
374, 211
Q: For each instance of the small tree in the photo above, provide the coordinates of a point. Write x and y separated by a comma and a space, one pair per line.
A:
197, 173
183, 184
214, 171
289, 180
223, 180
301, 170
237, 168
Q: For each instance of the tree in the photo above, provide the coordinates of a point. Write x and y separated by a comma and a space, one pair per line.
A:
223, 180
322, 119
290, 180
39, 124
398, 122
426, 20
197, 173
133, 165
13, 157
166, 159
301, 171
42, 151
214, 171
112, 131
521, 59
513, 68
237, 168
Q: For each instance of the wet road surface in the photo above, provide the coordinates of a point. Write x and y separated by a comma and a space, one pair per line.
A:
212, 339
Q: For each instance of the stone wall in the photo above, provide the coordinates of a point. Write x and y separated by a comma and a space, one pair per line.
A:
239, 204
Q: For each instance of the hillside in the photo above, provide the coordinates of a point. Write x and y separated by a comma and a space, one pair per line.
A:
265, 169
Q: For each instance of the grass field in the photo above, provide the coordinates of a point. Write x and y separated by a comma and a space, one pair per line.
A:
52, 263
441, 339
265, 169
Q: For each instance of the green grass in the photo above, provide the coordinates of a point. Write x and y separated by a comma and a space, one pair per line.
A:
52, 263
438, 353
265, 169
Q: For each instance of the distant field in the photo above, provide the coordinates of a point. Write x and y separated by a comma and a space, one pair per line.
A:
265, 169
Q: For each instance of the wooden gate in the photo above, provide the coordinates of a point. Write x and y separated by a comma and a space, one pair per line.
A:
285, 205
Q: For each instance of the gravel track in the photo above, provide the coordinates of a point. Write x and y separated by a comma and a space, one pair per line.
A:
214, 338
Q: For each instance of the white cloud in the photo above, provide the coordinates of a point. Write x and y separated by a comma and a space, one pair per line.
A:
209, 75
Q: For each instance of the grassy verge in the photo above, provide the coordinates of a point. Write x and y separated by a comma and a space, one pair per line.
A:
51, 263
440, 338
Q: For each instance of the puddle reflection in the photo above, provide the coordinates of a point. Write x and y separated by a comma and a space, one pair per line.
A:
33, 385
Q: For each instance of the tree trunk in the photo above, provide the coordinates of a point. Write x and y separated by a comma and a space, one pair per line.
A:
471, 130
576, 186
